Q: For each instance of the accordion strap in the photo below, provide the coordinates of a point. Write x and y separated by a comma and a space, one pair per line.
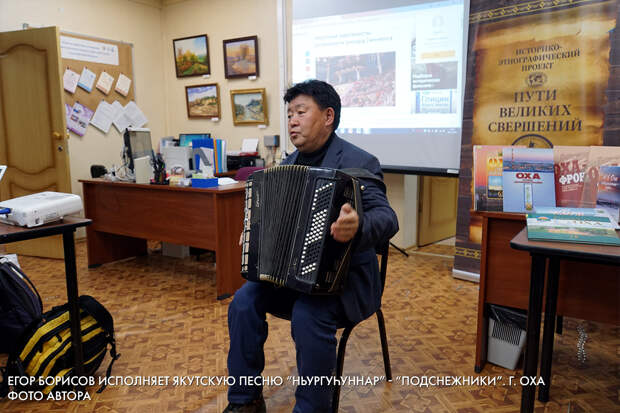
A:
361, 173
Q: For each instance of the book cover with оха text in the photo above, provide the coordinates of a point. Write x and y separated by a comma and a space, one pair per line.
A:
527, 178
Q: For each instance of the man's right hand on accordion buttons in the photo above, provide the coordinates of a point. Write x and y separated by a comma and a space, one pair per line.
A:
345, 227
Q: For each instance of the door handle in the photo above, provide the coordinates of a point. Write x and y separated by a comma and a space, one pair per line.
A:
58, 136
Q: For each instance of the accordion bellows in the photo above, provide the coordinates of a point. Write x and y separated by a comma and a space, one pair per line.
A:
288, 214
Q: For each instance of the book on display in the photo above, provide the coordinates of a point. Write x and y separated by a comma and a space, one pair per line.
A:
528, 179
577, 225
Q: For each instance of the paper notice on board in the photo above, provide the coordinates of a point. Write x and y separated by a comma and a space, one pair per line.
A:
103, 117
70, 80
78, 121
121, 120
134, 113
88, 50
87, 78
104, 83
117, 108
122, 84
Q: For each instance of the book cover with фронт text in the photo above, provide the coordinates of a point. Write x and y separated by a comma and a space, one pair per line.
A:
527, 178
569, 167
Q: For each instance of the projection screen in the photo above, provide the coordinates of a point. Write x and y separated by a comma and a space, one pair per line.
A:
399, 69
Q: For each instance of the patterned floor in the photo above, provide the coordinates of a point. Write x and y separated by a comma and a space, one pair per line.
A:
168, 323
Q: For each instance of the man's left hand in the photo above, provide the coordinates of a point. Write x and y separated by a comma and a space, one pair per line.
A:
345, 227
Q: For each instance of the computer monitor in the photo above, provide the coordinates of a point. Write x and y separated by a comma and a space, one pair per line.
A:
185, 139
137, 144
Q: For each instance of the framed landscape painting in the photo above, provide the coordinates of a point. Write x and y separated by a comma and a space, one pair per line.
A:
191, 56
241, 57
249, 107
203, 101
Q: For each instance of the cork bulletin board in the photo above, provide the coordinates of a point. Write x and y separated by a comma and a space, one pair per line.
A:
125, 66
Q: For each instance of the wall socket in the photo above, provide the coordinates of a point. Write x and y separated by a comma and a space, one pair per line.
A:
271, 140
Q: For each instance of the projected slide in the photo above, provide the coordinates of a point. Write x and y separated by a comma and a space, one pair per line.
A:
361, 80
394, 69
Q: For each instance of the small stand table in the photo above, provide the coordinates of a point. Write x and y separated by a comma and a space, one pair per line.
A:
540, 252
10, 233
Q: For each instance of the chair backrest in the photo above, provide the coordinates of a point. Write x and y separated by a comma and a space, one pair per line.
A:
244, 172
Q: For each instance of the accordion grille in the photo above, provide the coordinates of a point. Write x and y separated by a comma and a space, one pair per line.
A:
280, 215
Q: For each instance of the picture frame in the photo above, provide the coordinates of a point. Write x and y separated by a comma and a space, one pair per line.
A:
203, 101
249, 106
241, 57
191, 56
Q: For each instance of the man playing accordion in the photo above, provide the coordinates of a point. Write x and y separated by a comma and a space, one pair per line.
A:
313, 117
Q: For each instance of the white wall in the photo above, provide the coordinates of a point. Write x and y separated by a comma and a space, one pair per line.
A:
220, 20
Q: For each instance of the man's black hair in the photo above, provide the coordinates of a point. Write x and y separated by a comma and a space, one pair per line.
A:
324, 95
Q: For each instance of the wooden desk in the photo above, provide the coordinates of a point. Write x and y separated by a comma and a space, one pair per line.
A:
229, 174
554, 252
586, 291
66, 227
125, 215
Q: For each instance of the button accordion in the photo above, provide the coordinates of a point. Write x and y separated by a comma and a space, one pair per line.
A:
286, 237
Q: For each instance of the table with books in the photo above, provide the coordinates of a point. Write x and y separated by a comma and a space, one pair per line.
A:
553, 251
510, 182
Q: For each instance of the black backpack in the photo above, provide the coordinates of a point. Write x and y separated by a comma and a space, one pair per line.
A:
20, 305
45, 349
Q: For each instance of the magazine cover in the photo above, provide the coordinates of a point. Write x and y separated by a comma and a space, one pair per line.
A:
599, 156
578, 228
527, 178
608, 191
569, 166
488, 194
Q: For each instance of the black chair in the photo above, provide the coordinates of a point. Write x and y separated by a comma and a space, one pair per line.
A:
342, 344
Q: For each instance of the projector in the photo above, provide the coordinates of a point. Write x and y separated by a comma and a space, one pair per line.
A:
38, 209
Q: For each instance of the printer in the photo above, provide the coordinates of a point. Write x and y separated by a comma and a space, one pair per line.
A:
238, 160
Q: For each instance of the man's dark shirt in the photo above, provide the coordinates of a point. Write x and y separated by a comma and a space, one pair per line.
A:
315, 158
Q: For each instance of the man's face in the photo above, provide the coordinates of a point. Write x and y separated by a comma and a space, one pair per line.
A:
309, 127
